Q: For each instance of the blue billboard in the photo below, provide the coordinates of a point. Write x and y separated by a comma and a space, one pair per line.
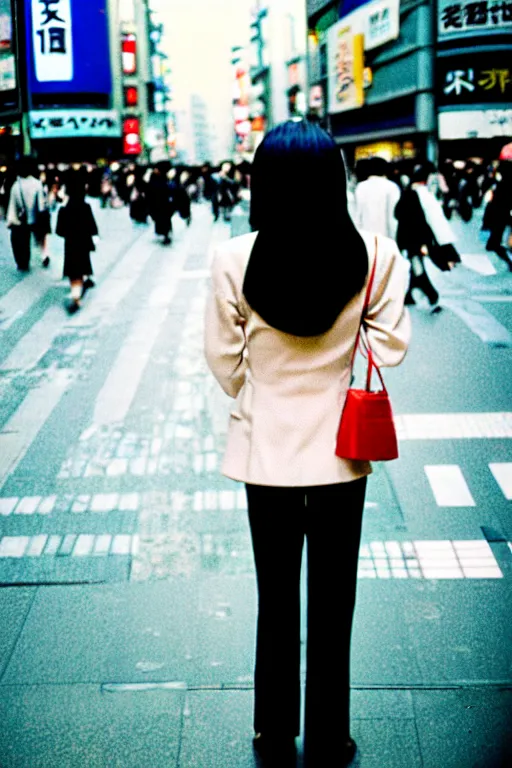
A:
68, 52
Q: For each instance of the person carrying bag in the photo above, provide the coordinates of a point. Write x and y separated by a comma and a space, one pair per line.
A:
282, 319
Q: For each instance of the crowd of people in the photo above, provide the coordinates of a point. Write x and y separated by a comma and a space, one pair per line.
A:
412, 202
30, 193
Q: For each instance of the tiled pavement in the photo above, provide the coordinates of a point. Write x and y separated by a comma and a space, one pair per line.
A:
111, 435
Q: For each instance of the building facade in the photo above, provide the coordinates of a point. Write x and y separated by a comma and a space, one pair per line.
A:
474, 78
11, 135
371, 75
412, 78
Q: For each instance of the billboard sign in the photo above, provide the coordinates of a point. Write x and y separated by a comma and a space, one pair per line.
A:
475, 124
467, 19
475, 78
7, 58
345, 52
71, 123
67, 51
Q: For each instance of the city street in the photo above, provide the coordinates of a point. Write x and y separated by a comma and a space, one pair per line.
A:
128, 598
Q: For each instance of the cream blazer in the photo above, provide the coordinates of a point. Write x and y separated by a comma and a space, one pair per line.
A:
289, 390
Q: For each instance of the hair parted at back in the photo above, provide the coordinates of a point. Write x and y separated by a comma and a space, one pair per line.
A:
308, 260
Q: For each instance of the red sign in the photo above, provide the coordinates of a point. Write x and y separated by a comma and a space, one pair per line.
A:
129, 54
131, 136
131, 96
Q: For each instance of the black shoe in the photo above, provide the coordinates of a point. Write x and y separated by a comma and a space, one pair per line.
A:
342, 757
436, 309
409, 300
88, 283
73, 307
166, 241
46, 262
275, 752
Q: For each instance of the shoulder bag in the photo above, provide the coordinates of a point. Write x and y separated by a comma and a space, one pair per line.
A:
367, 430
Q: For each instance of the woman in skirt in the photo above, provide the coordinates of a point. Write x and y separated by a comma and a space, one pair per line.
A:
76, 224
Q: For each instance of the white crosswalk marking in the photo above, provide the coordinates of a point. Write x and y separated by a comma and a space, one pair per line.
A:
478, 262
503, 475
116, 396
453, 426
449, 486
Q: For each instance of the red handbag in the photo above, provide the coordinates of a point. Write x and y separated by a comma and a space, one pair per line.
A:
367, 430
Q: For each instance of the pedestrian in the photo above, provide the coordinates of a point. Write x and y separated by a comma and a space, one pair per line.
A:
375, 199
138, 201
76, 224
161, 202
27, 215
280, 328
498, 214
423, 230
224, 193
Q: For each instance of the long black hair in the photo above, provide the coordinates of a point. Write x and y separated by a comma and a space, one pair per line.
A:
308, 260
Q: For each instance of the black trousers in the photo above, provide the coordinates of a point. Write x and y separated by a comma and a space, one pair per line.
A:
329, 519
20, 242
419, 279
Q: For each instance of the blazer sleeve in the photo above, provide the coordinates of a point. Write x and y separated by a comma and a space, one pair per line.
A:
224, 336
387, 322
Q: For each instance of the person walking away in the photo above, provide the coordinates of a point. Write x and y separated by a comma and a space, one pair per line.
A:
160, 203
279, 336
423, 230
376, 199
76, 224
224, 193
183, 203
138, 200
498, 214
27, 214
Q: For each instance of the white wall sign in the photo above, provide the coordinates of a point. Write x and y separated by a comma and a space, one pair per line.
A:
475, 123
465, 19
52, 40
69, 123
382, 22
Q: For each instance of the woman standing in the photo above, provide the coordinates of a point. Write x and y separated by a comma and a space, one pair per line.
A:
281, 325
77, 226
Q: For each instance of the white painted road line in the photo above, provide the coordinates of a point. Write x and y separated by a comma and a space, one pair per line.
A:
449, 486
478, 262
24, 425
453, 426
503, 475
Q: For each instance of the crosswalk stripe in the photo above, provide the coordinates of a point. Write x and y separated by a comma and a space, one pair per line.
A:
478, 262
116, 396
36, 342
449, 486
453, 426
24, 425
503, 475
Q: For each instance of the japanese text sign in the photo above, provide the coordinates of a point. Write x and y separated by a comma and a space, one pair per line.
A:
345, 51
461, 19
477, 78
63, 124
52, 40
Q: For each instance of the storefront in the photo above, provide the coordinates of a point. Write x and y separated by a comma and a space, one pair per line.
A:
474, 79
383, 93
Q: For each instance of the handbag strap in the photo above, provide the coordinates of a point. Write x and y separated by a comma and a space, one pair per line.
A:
365, 305
372, 365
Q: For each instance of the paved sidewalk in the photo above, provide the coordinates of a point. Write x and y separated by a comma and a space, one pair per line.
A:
127, 590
